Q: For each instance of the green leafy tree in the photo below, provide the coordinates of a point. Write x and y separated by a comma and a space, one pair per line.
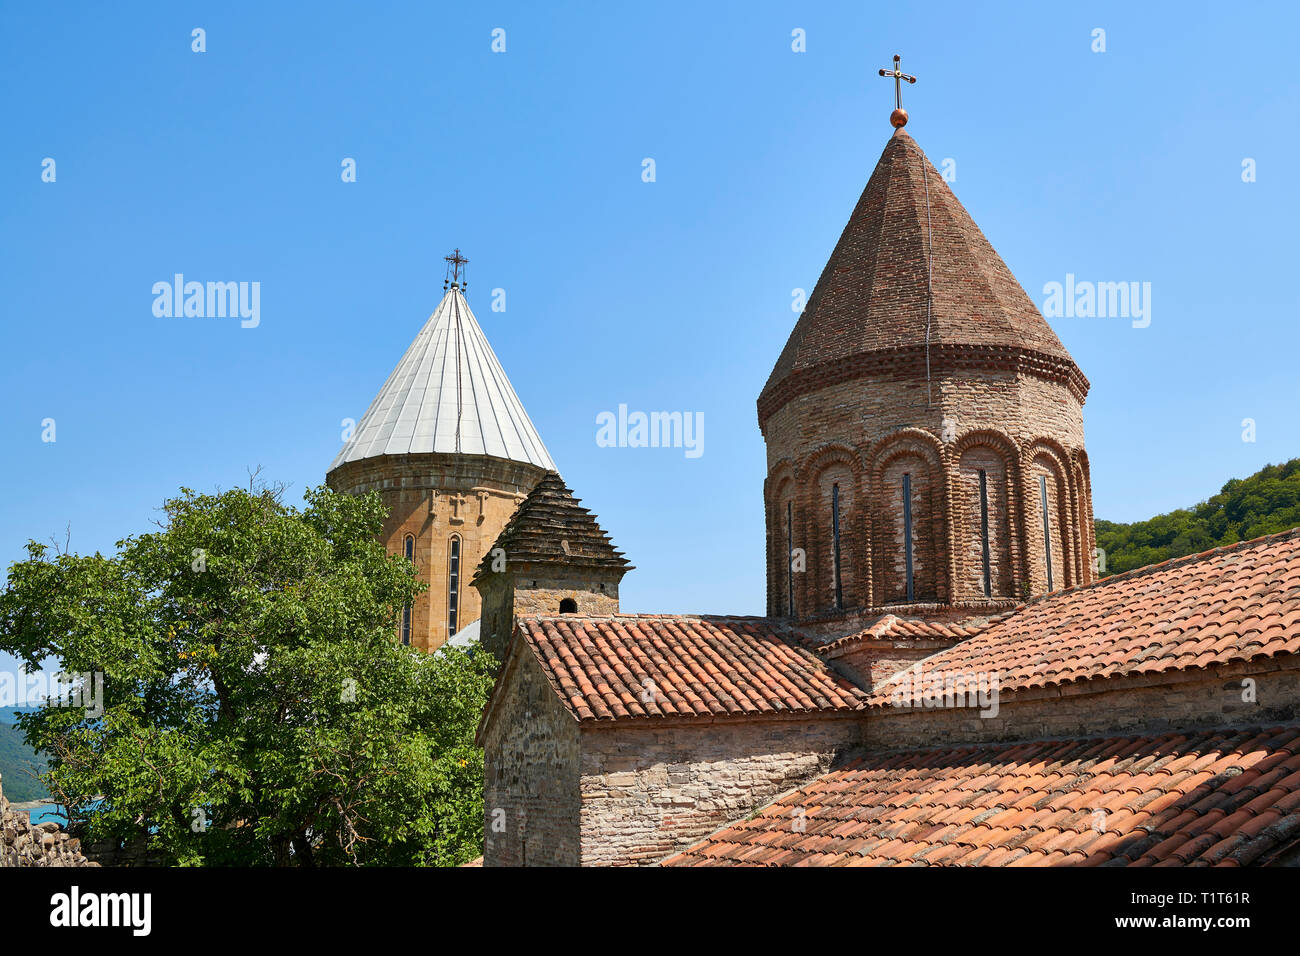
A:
1265, 503
257, 708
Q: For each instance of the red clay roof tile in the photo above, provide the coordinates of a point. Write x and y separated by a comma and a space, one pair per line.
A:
1022, 824
628, 666
1069, 636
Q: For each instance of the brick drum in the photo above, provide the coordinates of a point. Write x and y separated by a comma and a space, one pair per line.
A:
435, 498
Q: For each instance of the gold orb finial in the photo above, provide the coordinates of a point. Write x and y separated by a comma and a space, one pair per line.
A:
898, 118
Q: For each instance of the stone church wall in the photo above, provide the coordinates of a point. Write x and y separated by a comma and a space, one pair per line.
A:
650, 790
1156, 702
531, 768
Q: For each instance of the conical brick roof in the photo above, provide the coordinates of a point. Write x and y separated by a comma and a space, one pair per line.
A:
871, 296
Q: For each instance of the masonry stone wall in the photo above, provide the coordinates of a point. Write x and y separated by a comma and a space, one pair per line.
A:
531, 772
436, 499
23, 843
650, 789
524, 591
1013, 424
868, 664
1156, 702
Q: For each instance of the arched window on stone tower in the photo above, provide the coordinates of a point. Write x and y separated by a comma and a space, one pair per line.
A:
1050, 532
911, 552
453, 585
837, 552
568, 606
832, 571
984, 536
409, 549
789, 557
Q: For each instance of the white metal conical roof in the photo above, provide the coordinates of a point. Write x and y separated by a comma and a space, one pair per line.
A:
448, 394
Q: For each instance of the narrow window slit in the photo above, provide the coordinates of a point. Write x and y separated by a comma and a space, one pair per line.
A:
907, 533
835, 538
789, 554
453, 587
1047, 531
984, 532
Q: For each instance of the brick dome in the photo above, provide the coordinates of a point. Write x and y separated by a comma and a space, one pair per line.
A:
910, 237
923, 423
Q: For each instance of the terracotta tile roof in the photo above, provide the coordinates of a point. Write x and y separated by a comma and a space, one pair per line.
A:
551, 527
631, 666
890, 627
1237, 603
871, 297
1221, 797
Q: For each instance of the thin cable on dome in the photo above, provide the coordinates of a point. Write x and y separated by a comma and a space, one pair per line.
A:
929, 277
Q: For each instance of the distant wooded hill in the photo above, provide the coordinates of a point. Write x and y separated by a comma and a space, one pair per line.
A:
1265, 503
18, 762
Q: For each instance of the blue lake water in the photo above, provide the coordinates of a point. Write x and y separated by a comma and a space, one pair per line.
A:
47, 813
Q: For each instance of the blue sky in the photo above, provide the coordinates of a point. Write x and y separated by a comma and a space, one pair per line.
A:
673, 295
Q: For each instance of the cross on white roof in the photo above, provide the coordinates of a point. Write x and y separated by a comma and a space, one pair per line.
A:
447, 395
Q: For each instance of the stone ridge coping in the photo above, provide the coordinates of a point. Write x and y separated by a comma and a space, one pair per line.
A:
707, 720
990, 609
1088, 686
847, 645
956, 355
894, 631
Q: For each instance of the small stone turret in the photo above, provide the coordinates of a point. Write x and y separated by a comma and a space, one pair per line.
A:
551, 558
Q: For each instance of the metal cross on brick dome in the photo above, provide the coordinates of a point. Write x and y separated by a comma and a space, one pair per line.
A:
455, 268
898, 118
